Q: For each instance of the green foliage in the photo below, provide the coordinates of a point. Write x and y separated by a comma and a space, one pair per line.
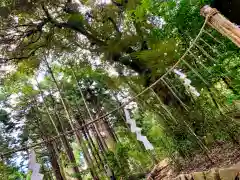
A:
4, 118
10, 173
128, 38
28, 177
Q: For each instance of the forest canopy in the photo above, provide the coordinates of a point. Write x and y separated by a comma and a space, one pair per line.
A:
68, 63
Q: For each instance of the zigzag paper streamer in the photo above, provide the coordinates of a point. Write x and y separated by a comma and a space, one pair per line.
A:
34, 167
137, 130
187, 82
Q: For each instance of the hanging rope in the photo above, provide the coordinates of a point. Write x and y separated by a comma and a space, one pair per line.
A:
123, 105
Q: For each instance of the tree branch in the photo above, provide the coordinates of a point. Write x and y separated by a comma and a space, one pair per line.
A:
38, 28
115, 26
119, 5
3, 60
92, 38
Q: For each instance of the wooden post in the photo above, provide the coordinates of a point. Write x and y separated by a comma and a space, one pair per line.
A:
221, 24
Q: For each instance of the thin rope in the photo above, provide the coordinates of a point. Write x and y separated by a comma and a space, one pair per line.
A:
213, 49
186, 52
201, 144
214, 38
175, 95
199, 62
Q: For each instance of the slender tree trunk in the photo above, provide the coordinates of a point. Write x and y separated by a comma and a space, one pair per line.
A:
71, 122
99, 138
63, 138
88, 137
104, 126
98, 157
80, 140
226, 81
51, 150
54, 163
82, 145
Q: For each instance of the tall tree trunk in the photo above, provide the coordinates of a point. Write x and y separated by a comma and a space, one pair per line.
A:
54, 163
102, 144
99, 138
108, 135
71, 121
88, 137
63, 138
80, 140
51, 150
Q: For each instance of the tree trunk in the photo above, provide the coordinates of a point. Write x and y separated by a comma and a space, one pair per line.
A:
106, 133
54, 163
78, 135
98, 135
63, 138
86, 154
51, 150
88, 137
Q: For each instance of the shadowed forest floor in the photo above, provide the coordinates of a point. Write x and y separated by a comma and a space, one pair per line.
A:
221, 154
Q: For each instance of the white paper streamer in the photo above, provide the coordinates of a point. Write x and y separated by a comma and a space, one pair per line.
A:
137, 130
35, 167
186, 82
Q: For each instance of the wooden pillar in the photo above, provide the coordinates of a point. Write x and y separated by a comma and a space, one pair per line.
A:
221, 24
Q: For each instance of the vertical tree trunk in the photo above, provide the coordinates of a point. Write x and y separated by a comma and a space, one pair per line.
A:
78, 134
54, 163
71, 122
99, 138
100, 160
64, 140
51, 150
88, 137
108, 135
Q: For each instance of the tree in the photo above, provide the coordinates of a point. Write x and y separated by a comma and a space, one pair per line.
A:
60, 85
9, 172
127, 42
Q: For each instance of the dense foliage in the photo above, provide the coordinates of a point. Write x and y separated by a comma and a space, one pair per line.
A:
72, 62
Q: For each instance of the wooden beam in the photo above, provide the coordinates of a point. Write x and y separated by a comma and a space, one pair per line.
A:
217, 21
